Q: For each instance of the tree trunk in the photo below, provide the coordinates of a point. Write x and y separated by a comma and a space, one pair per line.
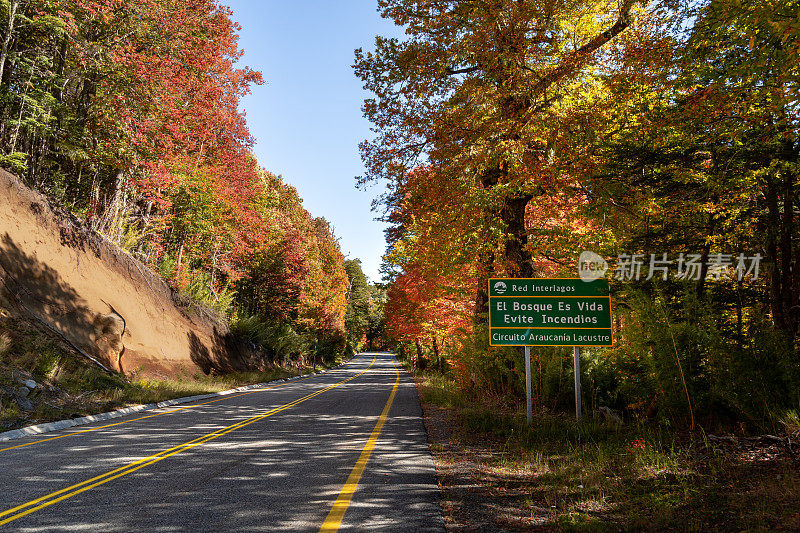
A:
180, 256
517, 257
12, 13
512, 216
780, 240
739, 307
111, 221
84, 100
789, 296
19, 118
436, 356
480, 312
213, 271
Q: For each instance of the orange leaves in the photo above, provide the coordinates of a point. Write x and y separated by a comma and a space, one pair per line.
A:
421, 304
559, 230
294, 265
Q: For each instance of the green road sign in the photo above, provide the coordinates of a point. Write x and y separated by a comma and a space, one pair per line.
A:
549, 312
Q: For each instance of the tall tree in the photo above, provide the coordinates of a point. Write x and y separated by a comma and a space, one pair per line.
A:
356, 319
700, 147
479, 90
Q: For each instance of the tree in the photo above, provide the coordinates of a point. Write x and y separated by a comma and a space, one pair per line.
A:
376, 326
127, 112
357, 316
480, 90
701, 147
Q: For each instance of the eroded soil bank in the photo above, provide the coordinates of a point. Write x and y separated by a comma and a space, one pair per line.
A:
57, 271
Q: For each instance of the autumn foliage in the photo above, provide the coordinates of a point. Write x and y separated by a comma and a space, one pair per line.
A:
127, 113
515, 135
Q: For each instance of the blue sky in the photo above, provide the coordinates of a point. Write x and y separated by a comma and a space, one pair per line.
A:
307, 118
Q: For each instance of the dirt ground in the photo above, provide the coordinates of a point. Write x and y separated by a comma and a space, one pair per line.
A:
475, 497
726, 483
57, 271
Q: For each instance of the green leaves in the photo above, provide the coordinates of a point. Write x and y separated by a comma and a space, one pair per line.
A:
127, 112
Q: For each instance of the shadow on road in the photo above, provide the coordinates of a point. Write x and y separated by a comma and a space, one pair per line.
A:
278, 474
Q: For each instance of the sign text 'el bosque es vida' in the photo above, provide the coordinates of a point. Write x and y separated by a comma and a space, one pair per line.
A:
549, 312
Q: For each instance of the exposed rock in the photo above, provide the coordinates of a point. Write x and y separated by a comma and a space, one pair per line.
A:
29, 383
22, 392
107, 335
25, 404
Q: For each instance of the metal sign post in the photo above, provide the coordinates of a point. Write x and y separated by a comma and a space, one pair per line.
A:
550, 312
576, 353
529, 402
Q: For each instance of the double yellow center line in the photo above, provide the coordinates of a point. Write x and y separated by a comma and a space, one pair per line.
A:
24, 509
335, 516
89, 430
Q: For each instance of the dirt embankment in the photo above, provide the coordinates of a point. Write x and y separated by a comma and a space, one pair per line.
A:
109, 305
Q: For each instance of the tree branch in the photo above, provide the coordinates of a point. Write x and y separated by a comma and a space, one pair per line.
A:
578, 57
465, 70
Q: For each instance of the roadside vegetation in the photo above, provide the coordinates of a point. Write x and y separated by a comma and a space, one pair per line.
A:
663, 137
629, 129
66, 385
126, 113
497, 472
653, 143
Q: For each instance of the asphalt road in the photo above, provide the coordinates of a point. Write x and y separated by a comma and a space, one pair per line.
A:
289, 458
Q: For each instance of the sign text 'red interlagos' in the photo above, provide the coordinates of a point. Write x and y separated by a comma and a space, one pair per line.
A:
549, 312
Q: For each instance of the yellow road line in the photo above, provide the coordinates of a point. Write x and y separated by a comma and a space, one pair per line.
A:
336, 514
19, 511
229, 397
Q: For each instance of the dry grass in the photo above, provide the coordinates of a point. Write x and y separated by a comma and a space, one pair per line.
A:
499, 474
69, 386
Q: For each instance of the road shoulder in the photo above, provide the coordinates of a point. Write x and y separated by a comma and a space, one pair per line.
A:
41, 429
473, 495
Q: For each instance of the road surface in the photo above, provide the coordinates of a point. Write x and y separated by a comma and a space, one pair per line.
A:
341, 450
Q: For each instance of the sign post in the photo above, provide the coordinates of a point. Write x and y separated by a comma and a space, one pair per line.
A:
550, 312
576, 355
528, 402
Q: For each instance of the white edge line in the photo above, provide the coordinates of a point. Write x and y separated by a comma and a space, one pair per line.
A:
39, 429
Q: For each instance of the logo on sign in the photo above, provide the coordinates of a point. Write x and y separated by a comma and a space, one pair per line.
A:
500, 287
591, 266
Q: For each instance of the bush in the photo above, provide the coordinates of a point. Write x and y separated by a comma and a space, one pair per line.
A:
199, 290
278, 340
666, 359
678, 359
332, 346
202, 292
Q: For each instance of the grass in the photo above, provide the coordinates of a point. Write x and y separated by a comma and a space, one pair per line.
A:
596, 475
72, 387
155, 390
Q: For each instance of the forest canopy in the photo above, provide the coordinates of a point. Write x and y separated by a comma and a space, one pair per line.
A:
515, 135
127, 113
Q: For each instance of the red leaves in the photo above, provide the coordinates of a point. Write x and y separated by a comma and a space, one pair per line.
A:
420, 304
152, 108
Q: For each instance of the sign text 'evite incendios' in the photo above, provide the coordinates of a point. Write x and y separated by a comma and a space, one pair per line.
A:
549, 312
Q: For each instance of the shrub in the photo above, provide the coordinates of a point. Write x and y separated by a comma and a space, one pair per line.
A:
279, 340
684, 362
